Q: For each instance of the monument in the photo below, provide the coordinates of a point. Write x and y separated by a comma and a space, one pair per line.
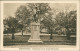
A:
35, 28
35, 32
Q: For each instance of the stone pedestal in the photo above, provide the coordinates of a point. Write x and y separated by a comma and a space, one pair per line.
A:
35, 32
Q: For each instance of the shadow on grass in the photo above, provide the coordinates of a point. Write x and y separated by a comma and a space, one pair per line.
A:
23, 40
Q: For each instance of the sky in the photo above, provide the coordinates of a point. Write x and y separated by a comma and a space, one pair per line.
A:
10, 8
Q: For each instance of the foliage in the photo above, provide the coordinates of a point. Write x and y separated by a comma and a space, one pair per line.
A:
66, 20
72, 18
31, 12
23, 16
38, 10
11, 24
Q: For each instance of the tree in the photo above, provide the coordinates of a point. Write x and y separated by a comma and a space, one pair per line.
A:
35, 12
31, 12
61, 19
42, 11
64, 19
67, 20
48, 22
23, 16
72, 24
38, 10
11, 24
72, 18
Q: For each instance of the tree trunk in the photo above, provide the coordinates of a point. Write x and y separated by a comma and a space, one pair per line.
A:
13, 31
50, 30
13, 37
51, 37
22, 32
68, 34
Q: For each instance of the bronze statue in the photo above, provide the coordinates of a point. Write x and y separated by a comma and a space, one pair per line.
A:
35, 16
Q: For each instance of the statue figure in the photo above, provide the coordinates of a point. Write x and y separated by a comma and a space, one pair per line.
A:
35, 16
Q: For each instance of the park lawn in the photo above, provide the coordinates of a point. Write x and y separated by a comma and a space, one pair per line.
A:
23, 40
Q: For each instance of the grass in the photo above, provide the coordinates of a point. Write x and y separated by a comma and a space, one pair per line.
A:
23, 40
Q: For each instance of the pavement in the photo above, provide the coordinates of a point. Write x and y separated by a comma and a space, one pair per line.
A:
30, 34
40, 34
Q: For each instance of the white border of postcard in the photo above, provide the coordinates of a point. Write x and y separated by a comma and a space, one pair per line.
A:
44, 47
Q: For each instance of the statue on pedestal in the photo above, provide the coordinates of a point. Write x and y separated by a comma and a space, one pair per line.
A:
35, 27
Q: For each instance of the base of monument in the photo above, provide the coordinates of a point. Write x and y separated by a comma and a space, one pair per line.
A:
35, 41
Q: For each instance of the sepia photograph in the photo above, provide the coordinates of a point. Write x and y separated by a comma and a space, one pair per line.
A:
28, 24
